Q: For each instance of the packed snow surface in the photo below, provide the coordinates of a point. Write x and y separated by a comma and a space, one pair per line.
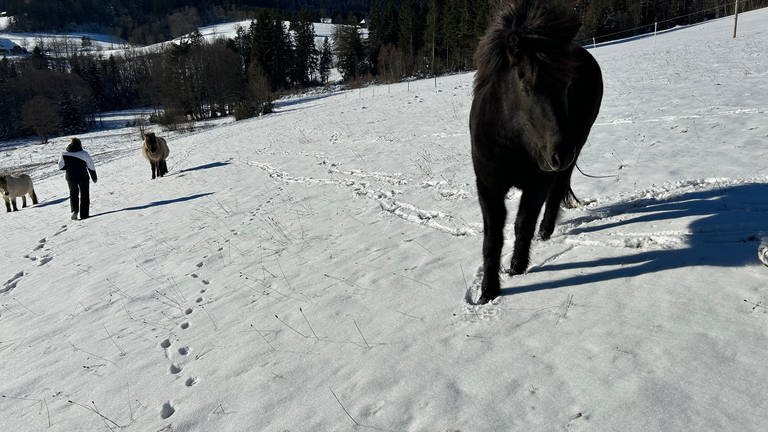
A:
306, 270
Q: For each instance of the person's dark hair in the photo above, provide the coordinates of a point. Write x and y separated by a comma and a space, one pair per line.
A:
75, 145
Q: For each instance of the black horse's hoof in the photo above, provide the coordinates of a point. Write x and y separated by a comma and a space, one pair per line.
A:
517, 267
488, 295
485, 299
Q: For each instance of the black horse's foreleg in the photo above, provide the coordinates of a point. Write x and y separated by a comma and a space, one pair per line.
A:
525, 226
494, 216
23, 201
7, 204
154, 168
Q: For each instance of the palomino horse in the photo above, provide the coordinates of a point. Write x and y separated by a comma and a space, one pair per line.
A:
155, 150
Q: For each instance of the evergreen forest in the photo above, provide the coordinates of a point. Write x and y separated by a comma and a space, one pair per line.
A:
47, 93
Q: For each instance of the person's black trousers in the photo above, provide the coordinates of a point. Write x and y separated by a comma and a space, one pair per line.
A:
79, 196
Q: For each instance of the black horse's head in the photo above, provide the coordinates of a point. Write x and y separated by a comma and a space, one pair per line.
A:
539, 86
528, 55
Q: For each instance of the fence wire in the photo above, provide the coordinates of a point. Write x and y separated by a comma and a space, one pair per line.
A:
727, 8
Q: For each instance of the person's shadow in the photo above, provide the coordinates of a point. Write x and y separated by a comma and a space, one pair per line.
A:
727, 226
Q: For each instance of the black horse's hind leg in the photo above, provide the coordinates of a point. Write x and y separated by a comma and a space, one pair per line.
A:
494, 216
162, 168
525, 226
23, 201
34, 197
561, 187
13, 204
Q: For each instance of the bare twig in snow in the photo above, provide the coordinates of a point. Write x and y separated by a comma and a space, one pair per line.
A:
361, 334
310, 325
289, 326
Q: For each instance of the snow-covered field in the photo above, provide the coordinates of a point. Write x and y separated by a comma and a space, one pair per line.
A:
305, 271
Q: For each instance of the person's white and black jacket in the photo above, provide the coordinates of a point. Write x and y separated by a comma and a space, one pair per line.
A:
79, 166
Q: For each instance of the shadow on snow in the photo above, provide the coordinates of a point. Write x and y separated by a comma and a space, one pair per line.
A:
205, 167
52, 202
156, 204
728, 224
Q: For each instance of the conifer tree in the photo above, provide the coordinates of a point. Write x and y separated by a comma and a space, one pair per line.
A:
305, 52
271, 48
411, 30
326, 61
382, 29
350, 52
434, 37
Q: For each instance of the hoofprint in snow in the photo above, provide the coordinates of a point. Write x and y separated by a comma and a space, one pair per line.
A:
307, 270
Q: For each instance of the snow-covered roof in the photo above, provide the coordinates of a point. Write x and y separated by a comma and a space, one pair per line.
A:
6, 44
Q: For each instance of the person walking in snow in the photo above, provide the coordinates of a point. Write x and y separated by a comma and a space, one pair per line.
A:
78, 165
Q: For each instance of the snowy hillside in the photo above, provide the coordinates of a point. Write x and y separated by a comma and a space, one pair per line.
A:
98, 42
109, 45
229, 31
306, 271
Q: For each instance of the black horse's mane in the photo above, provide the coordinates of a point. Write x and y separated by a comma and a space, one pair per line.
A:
541, 31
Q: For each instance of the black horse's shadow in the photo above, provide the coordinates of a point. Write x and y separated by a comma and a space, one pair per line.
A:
156, 204
725, 231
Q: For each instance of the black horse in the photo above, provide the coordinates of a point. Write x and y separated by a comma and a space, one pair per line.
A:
536, 96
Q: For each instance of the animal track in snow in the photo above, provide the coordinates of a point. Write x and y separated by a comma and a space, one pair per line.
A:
11, 283
40, 245
191, 381
385, 197
184, 325
196, 276
175, 369
166, 346
167, 410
